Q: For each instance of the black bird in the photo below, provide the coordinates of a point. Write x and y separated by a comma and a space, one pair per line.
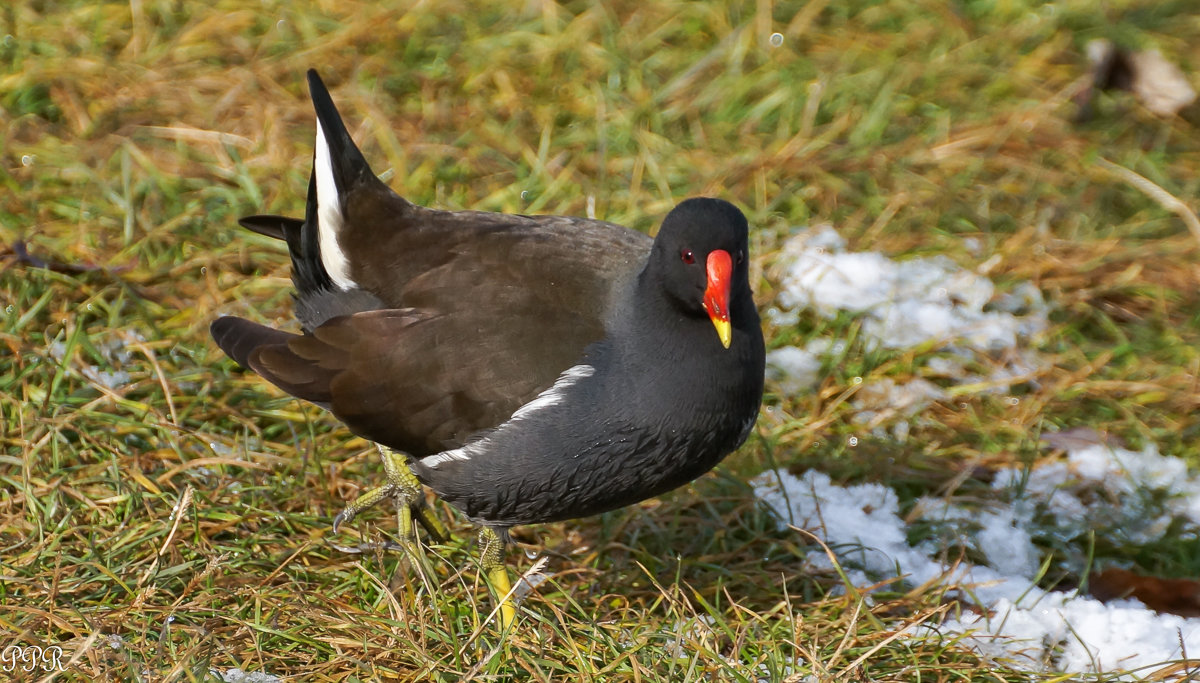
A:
530, 368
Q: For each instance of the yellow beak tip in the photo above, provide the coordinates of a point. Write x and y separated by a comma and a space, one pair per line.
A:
724, 331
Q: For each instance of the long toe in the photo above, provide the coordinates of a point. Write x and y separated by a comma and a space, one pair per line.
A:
432, 525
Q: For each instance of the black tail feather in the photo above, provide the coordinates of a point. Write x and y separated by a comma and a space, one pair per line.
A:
349, 164
349, 170
308, 272
276, 227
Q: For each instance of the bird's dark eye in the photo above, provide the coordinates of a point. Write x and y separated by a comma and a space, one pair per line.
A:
741, 256
687, 256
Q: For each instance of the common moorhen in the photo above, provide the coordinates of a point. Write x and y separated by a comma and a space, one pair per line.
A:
530, 368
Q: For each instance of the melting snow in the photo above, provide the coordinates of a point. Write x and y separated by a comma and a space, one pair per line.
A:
797, 370
1126, 495
1098, 486
903, 304
236, 675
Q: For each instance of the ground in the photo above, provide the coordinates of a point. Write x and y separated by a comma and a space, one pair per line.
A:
165, 516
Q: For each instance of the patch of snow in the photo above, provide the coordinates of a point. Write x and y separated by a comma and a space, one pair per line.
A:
236, 675
906, 304
886, 398
1133, 496
796, 370
220, 449
1097, 487
821, 237
1078, 635
700, 628
1001, 534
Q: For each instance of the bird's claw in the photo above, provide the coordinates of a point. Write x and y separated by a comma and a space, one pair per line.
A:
346, 515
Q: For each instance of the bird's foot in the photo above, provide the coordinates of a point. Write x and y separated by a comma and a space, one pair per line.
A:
404, 488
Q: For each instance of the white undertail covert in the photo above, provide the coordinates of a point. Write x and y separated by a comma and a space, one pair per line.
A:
329, 217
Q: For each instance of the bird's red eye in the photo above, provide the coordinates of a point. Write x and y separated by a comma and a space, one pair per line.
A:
687, 256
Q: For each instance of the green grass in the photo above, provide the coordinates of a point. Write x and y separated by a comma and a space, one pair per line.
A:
136, 134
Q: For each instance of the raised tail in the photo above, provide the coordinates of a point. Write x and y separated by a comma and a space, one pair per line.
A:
319, 263
339, 161
321, 268
339, 171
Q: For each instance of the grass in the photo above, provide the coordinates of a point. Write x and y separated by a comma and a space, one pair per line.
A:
178, 519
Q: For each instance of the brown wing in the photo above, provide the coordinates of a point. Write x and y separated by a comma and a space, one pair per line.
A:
400, 377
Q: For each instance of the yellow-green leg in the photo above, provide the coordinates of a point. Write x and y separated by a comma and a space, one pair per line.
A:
405, 489
491, 551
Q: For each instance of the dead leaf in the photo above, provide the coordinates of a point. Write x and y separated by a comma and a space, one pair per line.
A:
1171, 596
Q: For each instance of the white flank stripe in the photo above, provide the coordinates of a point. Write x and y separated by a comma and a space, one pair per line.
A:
550, 397
463, 453
329, 217
554, 394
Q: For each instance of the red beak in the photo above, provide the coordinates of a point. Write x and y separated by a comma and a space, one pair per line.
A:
716, 295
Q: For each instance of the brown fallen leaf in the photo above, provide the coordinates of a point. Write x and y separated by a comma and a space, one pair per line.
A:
1172, 596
